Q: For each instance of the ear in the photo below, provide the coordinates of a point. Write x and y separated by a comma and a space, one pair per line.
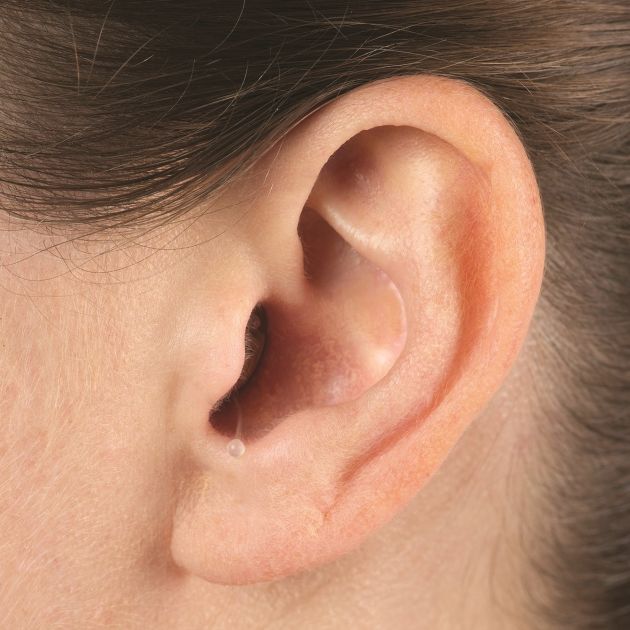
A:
396, 245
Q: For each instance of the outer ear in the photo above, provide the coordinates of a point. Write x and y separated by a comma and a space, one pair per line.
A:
397, 246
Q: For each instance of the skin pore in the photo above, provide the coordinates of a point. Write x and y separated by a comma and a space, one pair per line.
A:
119, 505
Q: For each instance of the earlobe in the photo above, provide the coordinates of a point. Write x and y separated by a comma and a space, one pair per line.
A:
412, 260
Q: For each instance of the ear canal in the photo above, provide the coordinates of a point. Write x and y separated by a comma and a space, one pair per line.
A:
340, 337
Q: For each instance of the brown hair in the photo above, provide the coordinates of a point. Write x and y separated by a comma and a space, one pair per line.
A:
129, 113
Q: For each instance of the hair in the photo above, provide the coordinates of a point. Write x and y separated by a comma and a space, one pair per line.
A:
127, 114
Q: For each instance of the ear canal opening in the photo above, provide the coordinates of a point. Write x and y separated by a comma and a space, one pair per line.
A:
222, 418
341, 339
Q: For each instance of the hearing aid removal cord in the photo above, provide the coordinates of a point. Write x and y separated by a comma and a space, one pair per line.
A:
236, 447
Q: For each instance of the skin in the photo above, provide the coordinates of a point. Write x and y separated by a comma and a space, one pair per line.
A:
383, 481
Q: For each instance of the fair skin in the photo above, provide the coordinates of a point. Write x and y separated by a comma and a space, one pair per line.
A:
387, 432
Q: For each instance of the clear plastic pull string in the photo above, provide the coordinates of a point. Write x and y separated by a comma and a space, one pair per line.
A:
236, 447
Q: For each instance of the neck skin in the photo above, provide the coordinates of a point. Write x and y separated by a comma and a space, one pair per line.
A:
451, 560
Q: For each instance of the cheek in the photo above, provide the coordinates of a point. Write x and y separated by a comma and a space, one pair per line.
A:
84, 490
